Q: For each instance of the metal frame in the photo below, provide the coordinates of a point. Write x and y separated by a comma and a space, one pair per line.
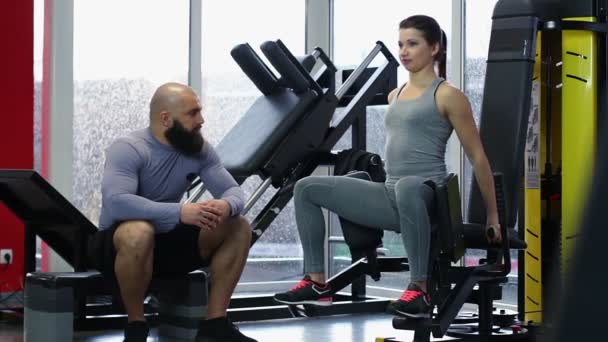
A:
62, 66
284, 194
58, 143
195, 65
263, 307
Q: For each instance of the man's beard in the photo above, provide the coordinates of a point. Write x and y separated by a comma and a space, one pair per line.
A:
187, 142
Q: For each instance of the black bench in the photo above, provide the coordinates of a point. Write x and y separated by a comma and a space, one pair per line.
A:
55, 301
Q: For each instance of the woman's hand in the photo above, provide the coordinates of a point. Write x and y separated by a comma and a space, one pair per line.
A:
493, 233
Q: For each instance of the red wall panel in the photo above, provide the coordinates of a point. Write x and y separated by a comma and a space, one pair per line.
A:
17, 115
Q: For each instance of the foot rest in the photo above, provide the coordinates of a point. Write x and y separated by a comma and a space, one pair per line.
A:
421, 327
402, 323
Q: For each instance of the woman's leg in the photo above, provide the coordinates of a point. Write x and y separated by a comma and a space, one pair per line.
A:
414, 200
356, 200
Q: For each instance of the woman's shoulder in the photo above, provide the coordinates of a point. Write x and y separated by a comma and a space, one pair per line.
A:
449, 97
448, 93
395, 92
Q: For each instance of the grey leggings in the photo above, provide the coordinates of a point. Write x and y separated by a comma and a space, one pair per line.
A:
403, 208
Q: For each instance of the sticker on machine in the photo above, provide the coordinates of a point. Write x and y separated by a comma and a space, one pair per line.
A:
532, 159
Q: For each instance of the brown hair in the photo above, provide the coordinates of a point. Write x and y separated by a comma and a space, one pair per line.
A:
433, 34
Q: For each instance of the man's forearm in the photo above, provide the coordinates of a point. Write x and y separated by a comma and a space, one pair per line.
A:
236, 199
132, 207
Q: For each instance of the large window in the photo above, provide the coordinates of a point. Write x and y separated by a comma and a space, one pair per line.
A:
228, 93
478, 25
39, 21
119, 60
357, 27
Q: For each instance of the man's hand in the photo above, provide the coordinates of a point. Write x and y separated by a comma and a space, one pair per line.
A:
203, 215
222, 206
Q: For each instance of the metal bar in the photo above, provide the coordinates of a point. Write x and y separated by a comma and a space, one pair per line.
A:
451, 307
368, 305
385, 264
269, 213
320, 73
259, 313
359, 130
584, 26
280, 199
256, 195
318, 53
485, 310
29, 263
337, 239
361, 99
197, 193
252, 301
521, 296
348, 275
79, 251
357, 287
358, 71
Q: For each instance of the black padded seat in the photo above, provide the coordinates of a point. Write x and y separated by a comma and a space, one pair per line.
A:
250, 143
475, 238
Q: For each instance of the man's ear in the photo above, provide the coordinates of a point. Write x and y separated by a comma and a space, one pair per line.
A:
165, 118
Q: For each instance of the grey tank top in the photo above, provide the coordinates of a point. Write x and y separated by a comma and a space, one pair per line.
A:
416, 137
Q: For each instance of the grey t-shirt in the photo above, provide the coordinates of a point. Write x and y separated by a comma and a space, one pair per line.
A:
145, 180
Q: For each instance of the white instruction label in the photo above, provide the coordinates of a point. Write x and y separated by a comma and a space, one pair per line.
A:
532, 159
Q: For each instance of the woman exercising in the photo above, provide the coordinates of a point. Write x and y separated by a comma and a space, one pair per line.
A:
420, 118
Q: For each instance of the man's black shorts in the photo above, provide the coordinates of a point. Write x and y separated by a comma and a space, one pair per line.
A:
175, 252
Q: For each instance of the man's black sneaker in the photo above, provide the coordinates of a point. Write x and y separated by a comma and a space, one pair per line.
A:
413, 303
136, 331
220, 330
306, 292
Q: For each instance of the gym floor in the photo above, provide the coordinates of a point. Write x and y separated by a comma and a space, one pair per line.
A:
355, 328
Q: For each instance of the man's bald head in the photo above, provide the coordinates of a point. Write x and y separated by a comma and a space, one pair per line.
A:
169, 97
176, 117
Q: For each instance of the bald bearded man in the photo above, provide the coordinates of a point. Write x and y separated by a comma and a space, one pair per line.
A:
146, 228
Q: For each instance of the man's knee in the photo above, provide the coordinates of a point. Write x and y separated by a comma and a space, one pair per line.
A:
241, 228
238, 229
136, 236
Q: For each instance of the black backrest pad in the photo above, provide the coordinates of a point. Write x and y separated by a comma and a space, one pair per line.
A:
290, 73
249, 144
505, 110
253, 66
308, 62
